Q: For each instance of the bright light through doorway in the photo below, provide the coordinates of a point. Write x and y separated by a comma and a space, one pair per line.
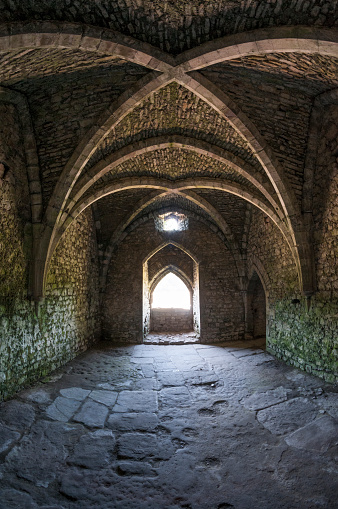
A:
171, 292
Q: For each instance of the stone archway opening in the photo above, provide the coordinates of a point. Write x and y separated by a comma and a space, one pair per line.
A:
171, 305
171, 294
256, 308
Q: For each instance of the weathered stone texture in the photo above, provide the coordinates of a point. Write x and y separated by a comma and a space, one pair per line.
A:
325, 203
67, 320
170, 255
280, 113
173, 164
64, 107
114, 209
231, 207
176, 26
13, 159
171, 320
19, 65
312, 74
303, 337
221, 301
175, 110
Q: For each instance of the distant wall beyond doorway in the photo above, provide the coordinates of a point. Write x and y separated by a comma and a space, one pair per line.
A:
171, 320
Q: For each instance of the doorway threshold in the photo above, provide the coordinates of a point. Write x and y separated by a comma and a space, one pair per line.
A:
171, 338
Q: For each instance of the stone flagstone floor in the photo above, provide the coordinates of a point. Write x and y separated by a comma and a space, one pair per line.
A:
168, 427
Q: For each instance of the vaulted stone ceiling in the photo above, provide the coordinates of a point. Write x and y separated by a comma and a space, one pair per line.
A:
136, 106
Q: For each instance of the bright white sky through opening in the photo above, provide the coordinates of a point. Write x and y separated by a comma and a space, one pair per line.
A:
171, 292
171, 224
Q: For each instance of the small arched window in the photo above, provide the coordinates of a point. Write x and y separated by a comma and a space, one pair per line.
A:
171, 292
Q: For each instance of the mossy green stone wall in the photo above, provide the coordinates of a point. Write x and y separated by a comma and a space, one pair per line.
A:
33, 341
303, 334
307, 338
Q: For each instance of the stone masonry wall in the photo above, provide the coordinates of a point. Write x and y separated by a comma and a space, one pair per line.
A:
64, 106
222, 313
178, 25
300, 336
170, 255
34, 342
171, 320
281, 114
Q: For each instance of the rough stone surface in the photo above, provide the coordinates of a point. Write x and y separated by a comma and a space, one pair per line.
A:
62, 409
258, 401
221, 319
204, 446
92, 414
35, 345
136, 401
286, 417
7, 438
17, 415
94, 451
318, 436
137, 421
176, 27
75, 393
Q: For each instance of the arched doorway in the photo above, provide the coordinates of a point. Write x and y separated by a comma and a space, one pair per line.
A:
256, 308
177, 261
171, 304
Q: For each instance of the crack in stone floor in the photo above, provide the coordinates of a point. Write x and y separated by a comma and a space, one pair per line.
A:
166, 427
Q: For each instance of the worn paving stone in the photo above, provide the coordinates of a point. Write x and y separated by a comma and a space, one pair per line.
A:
94, 450
107, 398
244, 352
142, 360
211, 352
258, 359
261, 400
288, 416
75, 393
139, 446
319, 435
7, 438
136, 401
14, 499
170, 378
62, 409
148, 370
328, 402
92, 414
17, 415
133, 421
295, 375
200, 448
136, 468
174, 397
36, 458
83, 484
